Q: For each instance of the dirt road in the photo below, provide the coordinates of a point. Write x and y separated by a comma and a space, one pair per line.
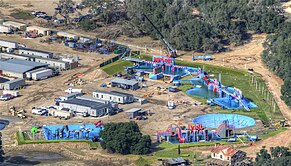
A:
282, 139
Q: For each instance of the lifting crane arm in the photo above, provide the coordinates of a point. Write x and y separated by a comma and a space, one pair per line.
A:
170, 49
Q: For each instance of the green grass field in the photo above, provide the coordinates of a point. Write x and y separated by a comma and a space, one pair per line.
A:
22, 14
116, 67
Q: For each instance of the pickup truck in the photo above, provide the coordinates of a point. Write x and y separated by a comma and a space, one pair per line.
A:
38, 111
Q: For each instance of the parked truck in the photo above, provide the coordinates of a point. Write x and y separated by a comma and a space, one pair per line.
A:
43, 74
71, 90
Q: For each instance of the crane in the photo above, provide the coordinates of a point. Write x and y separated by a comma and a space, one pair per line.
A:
171, 50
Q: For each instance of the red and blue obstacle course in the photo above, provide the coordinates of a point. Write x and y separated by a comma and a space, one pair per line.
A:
193, 133
160, 67
72, 131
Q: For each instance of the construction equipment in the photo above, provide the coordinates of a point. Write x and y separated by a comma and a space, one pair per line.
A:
172, 52
20, 113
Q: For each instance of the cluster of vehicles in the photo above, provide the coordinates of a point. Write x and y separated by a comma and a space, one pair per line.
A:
40, 14
8, 95
56, 112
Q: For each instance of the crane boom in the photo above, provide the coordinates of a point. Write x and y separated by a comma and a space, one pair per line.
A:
170, 49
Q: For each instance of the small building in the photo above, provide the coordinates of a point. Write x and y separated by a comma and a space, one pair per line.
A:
17, 25
179, 161
68, 35
40, 30
117, 97
18, 68
14, 84
8, 44
132, 113
40, 53
91, 106
227, 156
124, 84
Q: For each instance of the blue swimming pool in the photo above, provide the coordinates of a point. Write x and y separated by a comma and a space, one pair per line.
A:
235, 120
71, 132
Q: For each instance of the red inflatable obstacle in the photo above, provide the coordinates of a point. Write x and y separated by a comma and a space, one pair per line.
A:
98, 123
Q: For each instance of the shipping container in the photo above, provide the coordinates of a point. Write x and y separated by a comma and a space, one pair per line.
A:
5, 29
42, 74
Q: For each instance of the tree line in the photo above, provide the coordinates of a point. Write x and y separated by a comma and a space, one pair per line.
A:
199, 25
277, 56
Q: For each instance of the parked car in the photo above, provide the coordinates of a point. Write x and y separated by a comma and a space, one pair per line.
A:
6, 97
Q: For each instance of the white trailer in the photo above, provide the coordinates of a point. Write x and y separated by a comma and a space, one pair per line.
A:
43, 74
60, 113
11, 92
5, 29
8, 44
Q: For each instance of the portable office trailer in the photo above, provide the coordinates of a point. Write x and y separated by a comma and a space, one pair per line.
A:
8, 44
14, 56
43, 74
14, 24
5, 29
117, 97
14, 84
53, 63
39, 53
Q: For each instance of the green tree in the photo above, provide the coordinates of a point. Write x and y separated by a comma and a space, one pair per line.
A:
124, 138
88, 25
280, 156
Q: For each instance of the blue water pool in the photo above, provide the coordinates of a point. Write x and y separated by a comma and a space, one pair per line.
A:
235, 120
71, 132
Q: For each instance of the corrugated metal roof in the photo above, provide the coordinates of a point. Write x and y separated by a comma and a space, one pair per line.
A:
124, 81
133, 110
33, 50
19, 66
3, 80
15, 80
86, 103
114, 93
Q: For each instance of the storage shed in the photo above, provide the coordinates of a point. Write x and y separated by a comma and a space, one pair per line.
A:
124, 84
40, 30
18, 25
8, 44
40, 53
132, 113
117, 97
14, 84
